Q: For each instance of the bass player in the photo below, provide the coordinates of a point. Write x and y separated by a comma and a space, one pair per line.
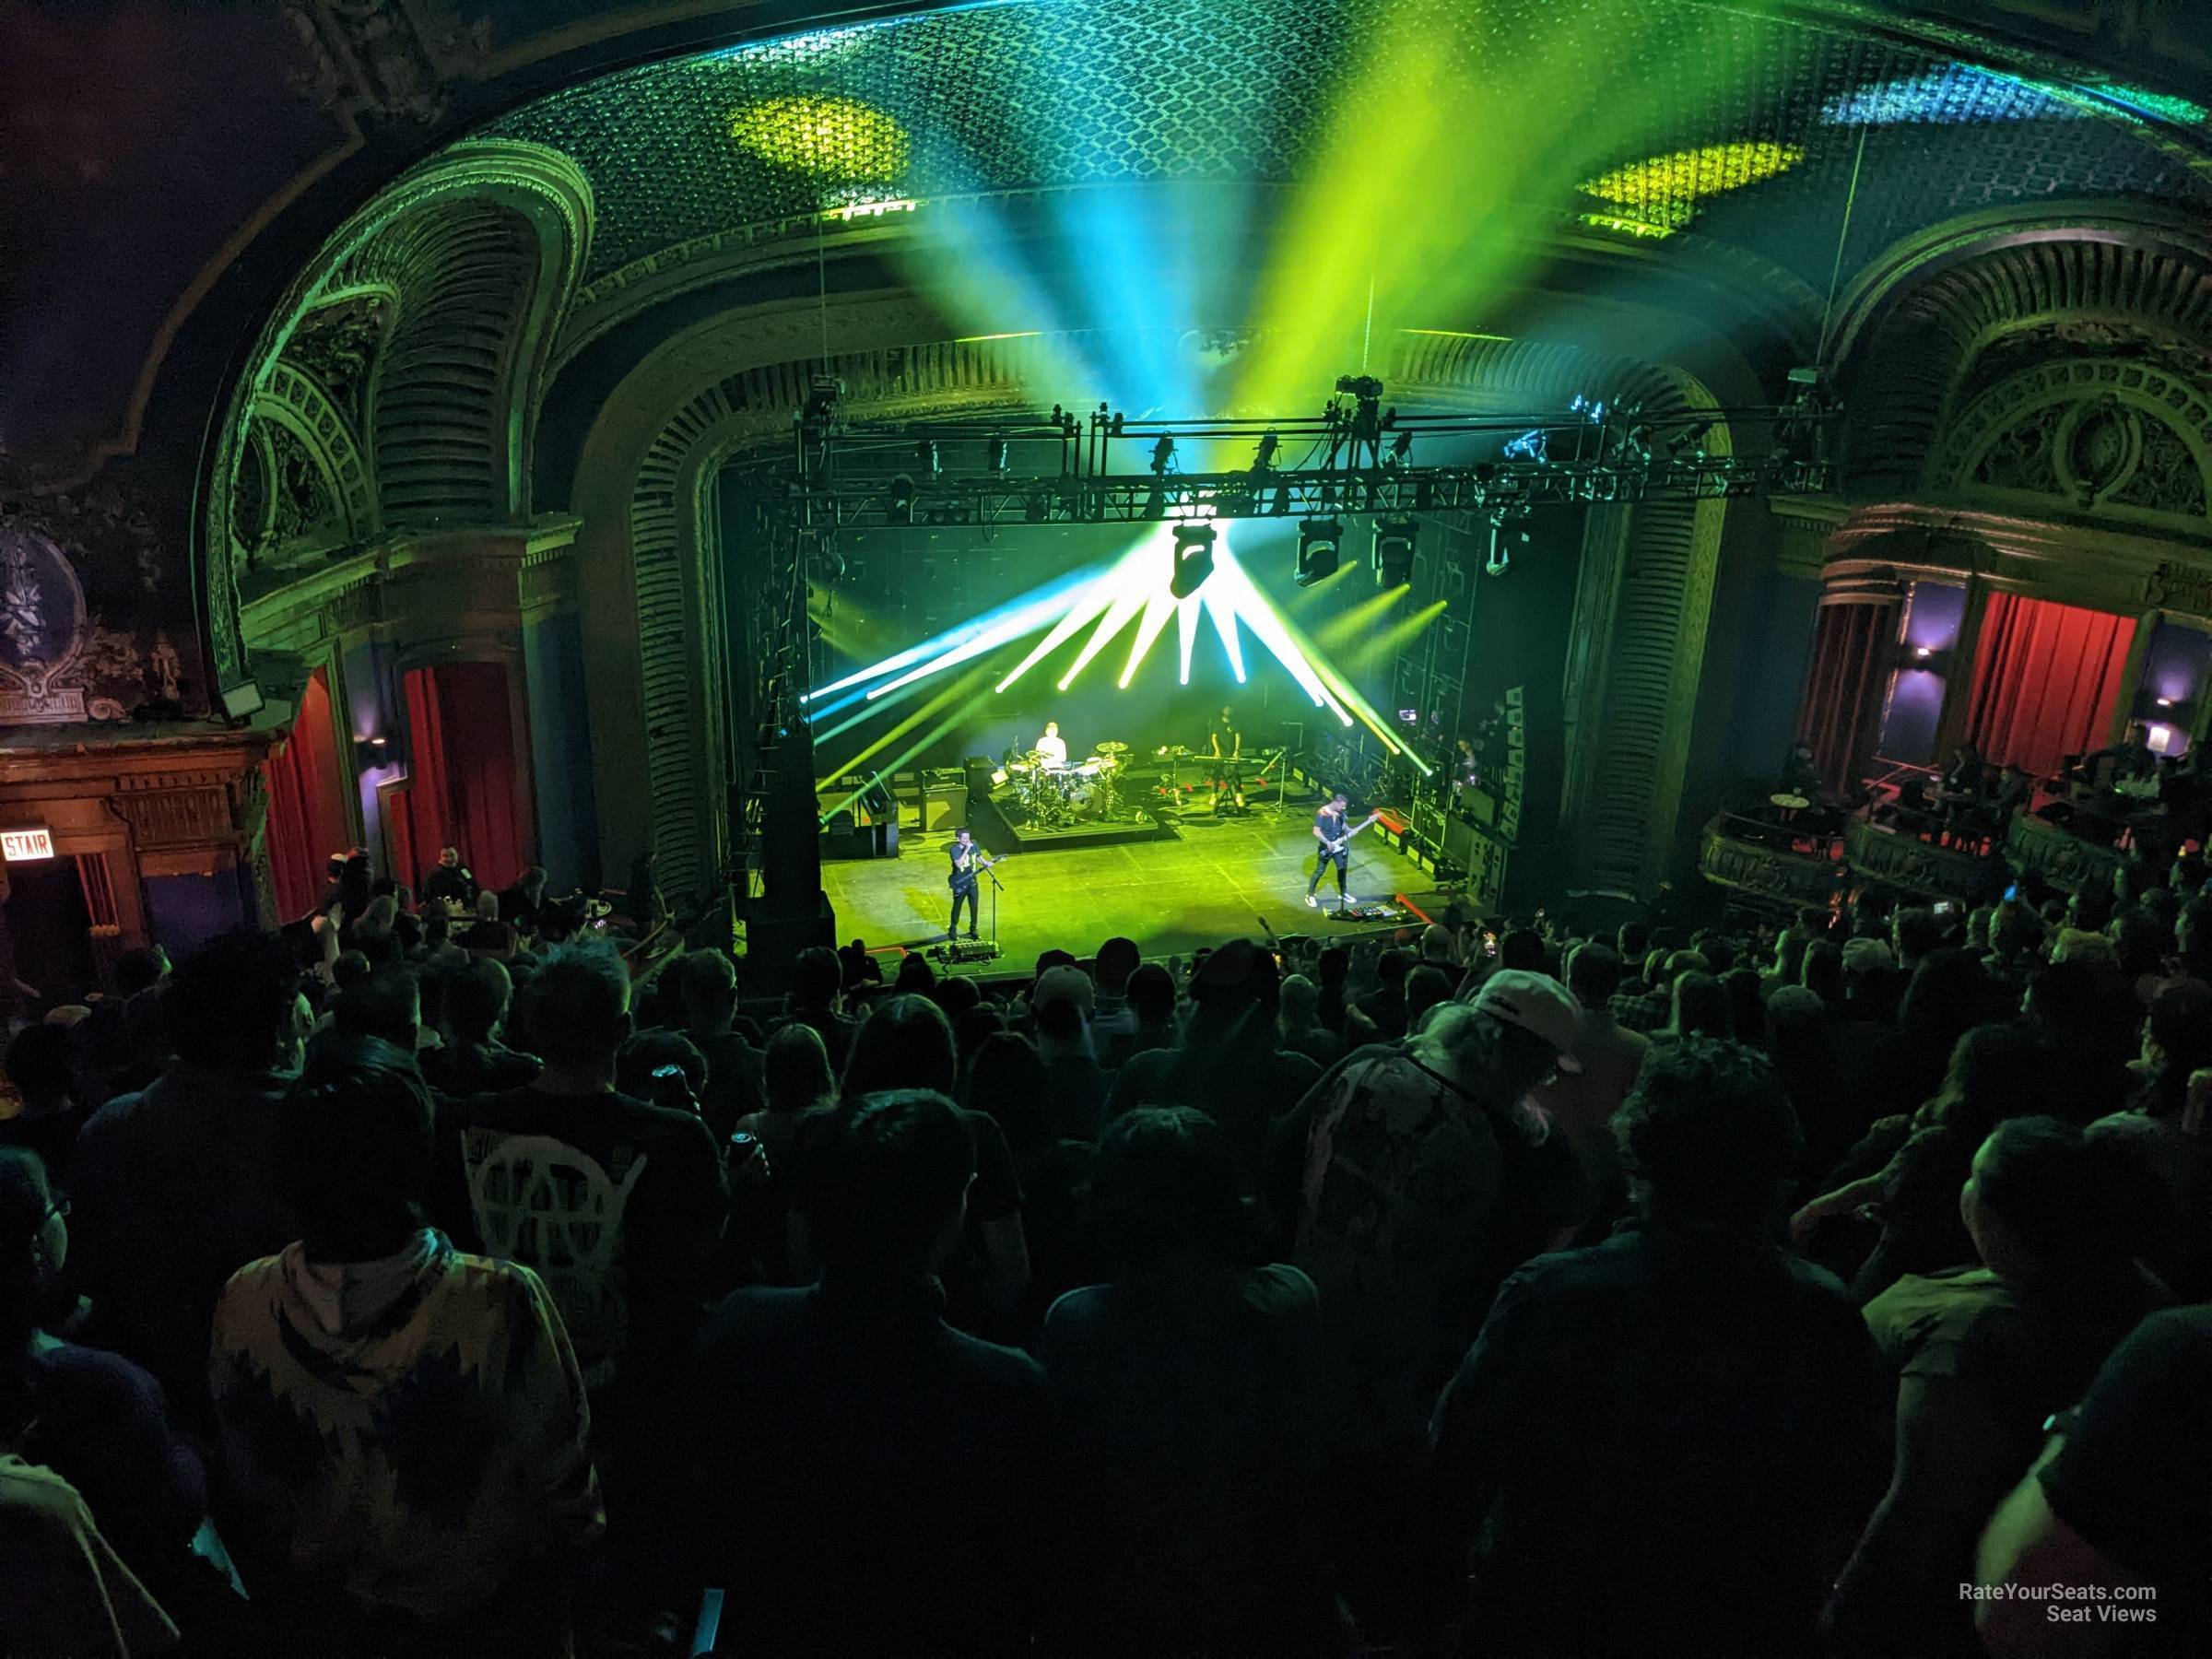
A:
1329, 830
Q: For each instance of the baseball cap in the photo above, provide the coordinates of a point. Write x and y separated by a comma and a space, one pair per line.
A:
1535, 1002
1063, 983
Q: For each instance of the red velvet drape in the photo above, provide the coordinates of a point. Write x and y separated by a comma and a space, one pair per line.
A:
1842, 687
463, 790
2046, 678
307, 804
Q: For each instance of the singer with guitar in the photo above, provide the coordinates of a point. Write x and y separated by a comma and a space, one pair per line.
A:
967, 859
1330, 832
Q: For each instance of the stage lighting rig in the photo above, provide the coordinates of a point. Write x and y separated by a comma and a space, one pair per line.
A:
1164, 455
995, 455
1318, 541
1394, 551
899, 499
1193, 559
927, 459
1262, 458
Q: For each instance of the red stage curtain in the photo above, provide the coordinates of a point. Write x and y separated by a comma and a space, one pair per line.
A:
1841, 688
307, 805
428, 814
463, 791
2046, 678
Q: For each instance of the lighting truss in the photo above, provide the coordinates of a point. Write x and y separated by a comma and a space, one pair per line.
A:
1361, 461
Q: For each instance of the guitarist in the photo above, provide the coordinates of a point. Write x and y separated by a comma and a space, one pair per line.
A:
1335, 839
967, 860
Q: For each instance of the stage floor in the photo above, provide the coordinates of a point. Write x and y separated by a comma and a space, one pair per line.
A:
1170, 896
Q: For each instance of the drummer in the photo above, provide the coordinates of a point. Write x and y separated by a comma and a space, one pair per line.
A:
1052, 749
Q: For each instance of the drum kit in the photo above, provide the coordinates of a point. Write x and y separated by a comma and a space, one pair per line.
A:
1055, 797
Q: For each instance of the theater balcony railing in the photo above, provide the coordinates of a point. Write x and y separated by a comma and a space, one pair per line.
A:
1900, 859
2063, 859
1754, 856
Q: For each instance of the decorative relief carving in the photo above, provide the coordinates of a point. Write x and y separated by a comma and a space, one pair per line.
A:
2066, 860
2117, 436
304, 510
337, 345
1922, 866
1768, 871
2178, 586
172, 818
64, 557
393, 57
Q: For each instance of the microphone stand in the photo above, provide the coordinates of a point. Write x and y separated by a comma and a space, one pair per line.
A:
997, 887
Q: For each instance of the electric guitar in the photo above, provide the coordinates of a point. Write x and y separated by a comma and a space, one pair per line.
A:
1329, 849
964, 868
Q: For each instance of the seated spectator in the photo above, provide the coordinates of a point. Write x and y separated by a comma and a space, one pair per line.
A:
404, 1435
43, 1117
486, 936
1229, 1063
1667, 1433
177, 1188
817, 998
1427, 1179
1187, 1395
95, 1418
2116, 1506
1985, 1355
520, 1175
474, 1059
861, 1477
1299, 1023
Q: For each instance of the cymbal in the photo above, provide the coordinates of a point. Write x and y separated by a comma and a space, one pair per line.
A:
1113, 748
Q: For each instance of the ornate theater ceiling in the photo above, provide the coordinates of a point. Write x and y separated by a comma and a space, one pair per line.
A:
1750, 128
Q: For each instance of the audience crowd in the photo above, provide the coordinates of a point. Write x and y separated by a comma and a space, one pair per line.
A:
1835, 1283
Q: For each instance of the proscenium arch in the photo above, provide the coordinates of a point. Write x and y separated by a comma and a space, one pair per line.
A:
644, 489
480, 249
